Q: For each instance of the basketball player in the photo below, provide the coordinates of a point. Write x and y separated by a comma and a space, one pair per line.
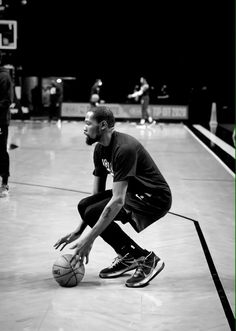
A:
140, 195
95, 93
143, 93
55, 101
6, 98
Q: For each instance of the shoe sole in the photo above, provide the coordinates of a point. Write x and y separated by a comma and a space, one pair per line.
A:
145, 281
117, 274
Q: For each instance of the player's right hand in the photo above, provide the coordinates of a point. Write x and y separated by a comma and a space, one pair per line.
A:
69, 238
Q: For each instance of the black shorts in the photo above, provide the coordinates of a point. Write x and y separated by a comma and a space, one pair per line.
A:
146, 208
140, 210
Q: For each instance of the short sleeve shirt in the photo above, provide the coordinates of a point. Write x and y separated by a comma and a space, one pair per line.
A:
126, 159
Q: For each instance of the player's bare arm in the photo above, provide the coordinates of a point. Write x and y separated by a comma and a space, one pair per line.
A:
99, 185
136, 94
113, 207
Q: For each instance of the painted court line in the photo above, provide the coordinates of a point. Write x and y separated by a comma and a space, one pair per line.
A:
214, 274
217, 141
208, 149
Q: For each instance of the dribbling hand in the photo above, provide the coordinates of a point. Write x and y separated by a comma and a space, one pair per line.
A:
66, 240
82, 251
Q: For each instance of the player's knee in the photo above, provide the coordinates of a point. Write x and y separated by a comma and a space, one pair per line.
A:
90, 216
82, 205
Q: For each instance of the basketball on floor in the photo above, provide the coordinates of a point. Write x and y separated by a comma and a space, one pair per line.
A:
65, 274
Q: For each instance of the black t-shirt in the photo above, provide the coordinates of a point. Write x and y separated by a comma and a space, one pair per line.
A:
95, 89
126, 159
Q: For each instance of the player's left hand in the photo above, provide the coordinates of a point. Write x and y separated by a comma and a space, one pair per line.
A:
82, 250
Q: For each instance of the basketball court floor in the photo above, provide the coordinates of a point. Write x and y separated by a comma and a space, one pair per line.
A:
51, 170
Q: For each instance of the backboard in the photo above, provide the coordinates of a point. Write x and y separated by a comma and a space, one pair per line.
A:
8, 34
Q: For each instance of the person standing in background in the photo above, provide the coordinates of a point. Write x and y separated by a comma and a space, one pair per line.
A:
163, 95
6, 98
55, 101
143, 93
95, 93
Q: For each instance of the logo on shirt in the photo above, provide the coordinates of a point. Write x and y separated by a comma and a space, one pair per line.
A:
108, 166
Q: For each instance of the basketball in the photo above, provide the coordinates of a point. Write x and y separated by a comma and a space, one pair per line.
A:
65, 274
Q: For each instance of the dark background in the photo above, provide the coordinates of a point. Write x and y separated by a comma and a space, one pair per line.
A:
181, 43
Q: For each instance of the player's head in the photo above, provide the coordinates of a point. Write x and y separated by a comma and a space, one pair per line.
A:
98, 121
143, 80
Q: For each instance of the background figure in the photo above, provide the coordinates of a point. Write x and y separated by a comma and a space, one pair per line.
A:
143, 93
36, 99
163, 95
205, 103
55, 101
95, 93
6, 98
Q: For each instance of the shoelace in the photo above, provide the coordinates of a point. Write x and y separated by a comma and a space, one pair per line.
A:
139, 271
116, 261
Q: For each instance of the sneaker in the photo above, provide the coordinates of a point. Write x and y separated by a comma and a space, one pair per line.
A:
152, 123
4, 191
147, 269
142, 121
119, 266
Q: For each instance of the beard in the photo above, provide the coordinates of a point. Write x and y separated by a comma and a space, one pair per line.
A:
90, 141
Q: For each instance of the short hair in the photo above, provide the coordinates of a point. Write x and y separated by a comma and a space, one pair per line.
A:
144, 78
102, 113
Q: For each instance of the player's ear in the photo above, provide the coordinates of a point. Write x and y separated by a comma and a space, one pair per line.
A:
104, 125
